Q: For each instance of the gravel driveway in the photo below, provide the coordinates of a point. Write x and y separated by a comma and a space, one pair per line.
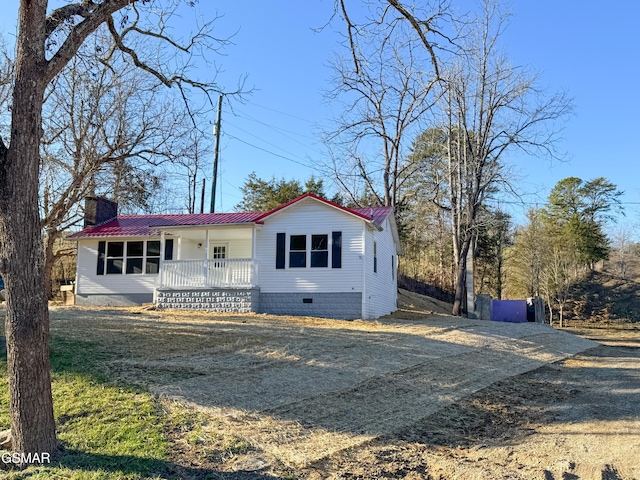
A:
303, 390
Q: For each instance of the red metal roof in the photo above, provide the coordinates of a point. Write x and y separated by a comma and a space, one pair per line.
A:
352, 211
377, 214
149, 225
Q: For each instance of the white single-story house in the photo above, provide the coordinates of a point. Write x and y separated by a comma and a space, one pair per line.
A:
308, 257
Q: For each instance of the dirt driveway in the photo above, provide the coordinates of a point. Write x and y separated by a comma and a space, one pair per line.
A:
441, 397
578, 418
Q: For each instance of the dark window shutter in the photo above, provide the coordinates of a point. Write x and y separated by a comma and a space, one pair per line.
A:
168, 249
280, 250
336, 249
101, 250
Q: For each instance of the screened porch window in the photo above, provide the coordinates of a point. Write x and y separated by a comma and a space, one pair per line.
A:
135, 257
132, 258
152, 263
115, 257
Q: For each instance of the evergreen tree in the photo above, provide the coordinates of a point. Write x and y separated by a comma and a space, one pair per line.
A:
260, 195
579, 210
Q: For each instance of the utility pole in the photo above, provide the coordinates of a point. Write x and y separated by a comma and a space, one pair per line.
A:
216, 132
202, 197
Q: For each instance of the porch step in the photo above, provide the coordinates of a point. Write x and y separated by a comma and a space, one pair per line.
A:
239, 300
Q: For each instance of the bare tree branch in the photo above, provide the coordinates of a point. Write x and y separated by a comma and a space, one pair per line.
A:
94, 15
65, 14
422, 28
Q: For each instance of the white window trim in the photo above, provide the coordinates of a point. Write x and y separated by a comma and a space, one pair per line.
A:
328, 250
125, 257
288, 250
308, 245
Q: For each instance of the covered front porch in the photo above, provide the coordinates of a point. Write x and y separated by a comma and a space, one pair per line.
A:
209, 273
208, 257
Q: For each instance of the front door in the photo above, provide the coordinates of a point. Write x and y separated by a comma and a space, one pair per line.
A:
218, 251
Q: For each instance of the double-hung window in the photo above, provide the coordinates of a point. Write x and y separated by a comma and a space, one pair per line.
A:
312, 250
298, 251
319, 250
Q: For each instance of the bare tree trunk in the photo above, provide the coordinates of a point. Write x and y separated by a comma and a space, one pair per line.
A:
460, 298
21, 251
27, 320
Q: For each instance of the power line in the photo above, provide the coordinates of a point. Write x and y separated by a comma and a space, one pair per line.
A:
543, 201
273, 127
261, 139
281, 131
284, 113
273, 153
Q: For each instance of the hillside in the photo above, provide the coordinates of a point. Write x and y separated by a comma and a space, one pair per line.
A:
602, 297
607, 298
413, 305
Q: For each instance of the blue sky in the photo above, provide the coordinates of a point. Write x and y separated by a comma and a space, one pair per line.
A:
588, 48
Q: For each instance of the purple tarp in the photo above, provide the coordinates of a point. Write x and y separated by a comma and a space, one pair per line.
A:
509, 311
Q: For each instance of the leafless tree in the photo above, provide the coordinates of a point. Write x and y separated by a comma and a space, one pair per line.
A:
386, 85
490, 108
527, 258
7, 72
560, 273
425, 224
486, 107
190, 169
624, 248
47, 40
107, 129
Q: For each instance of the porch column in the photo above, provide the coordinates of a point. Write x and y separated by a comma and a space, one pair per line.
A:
160, 281
206, 257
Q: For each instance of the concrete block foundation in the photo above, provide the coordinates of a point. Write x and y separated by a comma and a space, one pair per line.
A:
347, 306
240, 300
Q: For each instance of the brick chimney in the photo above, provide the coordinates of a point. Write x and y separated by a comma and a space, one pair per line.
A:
98, 210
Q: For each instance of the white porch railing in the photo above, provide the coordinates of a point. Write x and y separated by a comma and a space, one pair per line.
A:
215, 273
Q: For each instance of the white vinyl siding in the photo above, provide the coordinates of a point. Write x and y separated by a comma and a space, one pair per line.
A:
381, 284
90, 283
309, 217
192, 242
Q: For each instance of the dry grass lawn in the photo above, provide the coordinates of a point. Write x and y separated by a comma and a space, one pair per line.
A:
294, 391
